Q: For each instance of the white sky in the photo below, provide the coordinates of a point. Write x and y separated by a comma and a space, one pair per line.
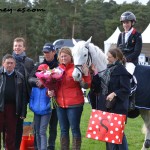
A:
129, 1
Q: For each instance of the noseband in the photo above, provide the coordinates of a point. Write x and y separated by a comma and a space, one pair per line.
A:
89, 61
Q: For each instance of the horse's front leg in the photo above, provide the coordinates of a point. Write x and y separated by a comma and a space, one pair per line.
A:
145, 114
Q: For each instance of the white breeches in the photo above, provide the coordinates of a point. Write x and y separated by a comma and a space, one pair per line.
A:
130, 67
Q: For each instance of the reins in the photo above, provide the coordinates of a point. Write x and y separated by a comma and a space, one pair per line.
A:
101, 71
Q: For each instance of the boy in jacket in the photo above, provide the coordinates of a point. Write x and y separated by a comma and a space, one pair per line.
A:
40, 105
24, 65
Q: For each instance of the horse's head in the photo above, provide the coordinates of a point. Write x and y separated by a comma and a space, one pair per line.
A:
81, 56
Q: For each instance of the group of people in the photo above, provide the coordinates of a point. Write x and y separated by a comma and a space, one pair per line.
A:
15, 74
19, 86
15, 92
114, 86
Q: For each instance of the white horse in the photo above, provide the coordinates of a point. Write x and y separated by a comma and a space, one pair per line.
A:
85, 52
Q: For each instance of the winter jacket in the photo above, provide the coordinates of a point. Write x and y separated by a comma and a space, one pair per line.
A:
25, 67
120, 84
21, 100
69, 93
39, 102
132, 48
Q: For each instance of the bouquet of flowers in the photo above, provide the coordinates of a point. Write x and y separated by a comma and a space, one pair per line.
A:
50, 79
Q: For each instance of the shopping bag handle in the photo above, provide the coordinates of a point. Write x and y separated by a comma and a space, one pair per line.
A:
29, 137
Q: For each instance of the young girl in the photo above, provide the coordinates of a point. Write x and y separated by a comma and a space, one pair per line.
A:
40, 105
130, 41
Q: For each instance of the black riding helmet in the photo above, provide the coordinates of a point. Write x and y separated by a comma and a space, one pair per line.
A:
128, 16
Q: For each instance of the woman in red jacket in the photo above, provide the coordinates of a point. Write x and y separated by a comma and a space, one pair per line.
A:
70, 100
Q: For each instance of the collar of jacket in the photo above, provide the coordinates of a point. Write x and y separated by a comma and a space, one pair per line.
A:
3, 72
63, 66
52, 64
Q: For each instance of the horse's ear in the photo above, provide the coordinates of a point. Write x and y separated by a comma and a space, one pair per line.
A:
88, 41
74, 41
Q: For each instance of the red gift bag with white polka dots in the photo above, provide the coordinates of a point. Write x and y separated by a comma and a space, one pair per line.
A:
106, 126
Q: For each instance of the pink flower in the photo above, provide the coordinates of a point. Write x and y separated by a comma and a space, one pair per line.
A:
50, 78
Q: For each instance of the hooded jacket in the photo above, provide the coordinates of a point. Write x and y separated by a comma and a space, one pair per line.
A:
39, 101
69, 93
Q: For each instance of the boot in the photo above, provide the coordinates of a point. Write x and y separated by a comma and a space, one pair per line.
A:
76, 143
131, 102
147, 143
64, 142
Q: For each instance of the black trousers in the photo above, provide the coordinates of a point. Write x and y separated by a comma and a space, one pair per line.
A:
52, 130
19, 132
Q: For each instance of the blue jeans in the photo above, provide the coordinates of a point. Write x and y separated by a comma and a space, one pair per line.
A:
123, 146
41, 124
70, 117
52, 130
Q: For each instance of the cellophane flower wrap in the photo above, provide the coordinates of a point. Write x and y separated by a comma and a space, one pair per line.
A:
50, 79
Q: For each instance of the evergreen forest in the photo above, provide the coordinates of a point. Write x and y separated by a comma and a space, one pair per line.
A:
42, 21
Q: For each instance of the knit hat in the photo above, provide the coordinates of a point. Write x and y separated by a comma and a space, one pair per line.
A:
43, 67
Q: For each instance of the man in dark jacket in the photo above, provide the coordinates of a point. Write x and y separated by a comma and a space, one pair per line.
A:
24, 65
13, 104
50, 58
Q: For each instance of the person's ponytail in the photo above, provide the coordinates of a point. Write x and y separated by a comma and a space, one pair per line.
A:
124, 60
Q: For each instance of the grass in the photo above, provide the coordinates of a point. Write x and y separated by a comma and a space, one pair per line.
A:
132, 130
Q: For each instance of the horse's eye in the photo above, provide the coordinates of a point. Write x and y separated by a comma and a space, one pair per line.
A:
85, 55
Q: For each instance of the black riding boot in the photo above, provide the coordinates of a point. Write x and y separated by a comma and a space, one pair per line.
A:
76, 145
64, 142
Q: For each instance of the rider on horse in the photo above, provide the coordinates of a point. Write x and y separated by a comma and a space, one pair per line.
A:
130, 42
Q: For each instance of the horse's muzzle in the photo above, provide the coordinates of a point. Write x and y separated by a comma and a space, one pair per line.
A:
76, 75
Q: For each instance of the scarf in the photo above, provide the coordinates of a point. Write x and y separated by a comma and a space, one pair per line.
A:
19, 57
20, 62
106, 77
52, 64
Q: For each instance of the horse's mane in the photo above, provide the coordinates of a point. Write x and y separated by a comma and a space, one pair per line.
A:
100, 53
98, 57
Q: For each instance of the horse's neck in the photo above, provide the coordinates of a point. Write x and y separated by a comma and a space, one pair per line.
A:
100, 66
99, 60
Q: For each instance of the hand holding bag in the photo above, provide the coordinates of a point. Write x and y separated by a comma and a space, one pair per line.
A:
105, 126
110, 104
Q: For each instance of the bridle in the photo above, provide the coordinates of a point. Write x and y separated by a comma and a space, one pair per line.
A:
88, 63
